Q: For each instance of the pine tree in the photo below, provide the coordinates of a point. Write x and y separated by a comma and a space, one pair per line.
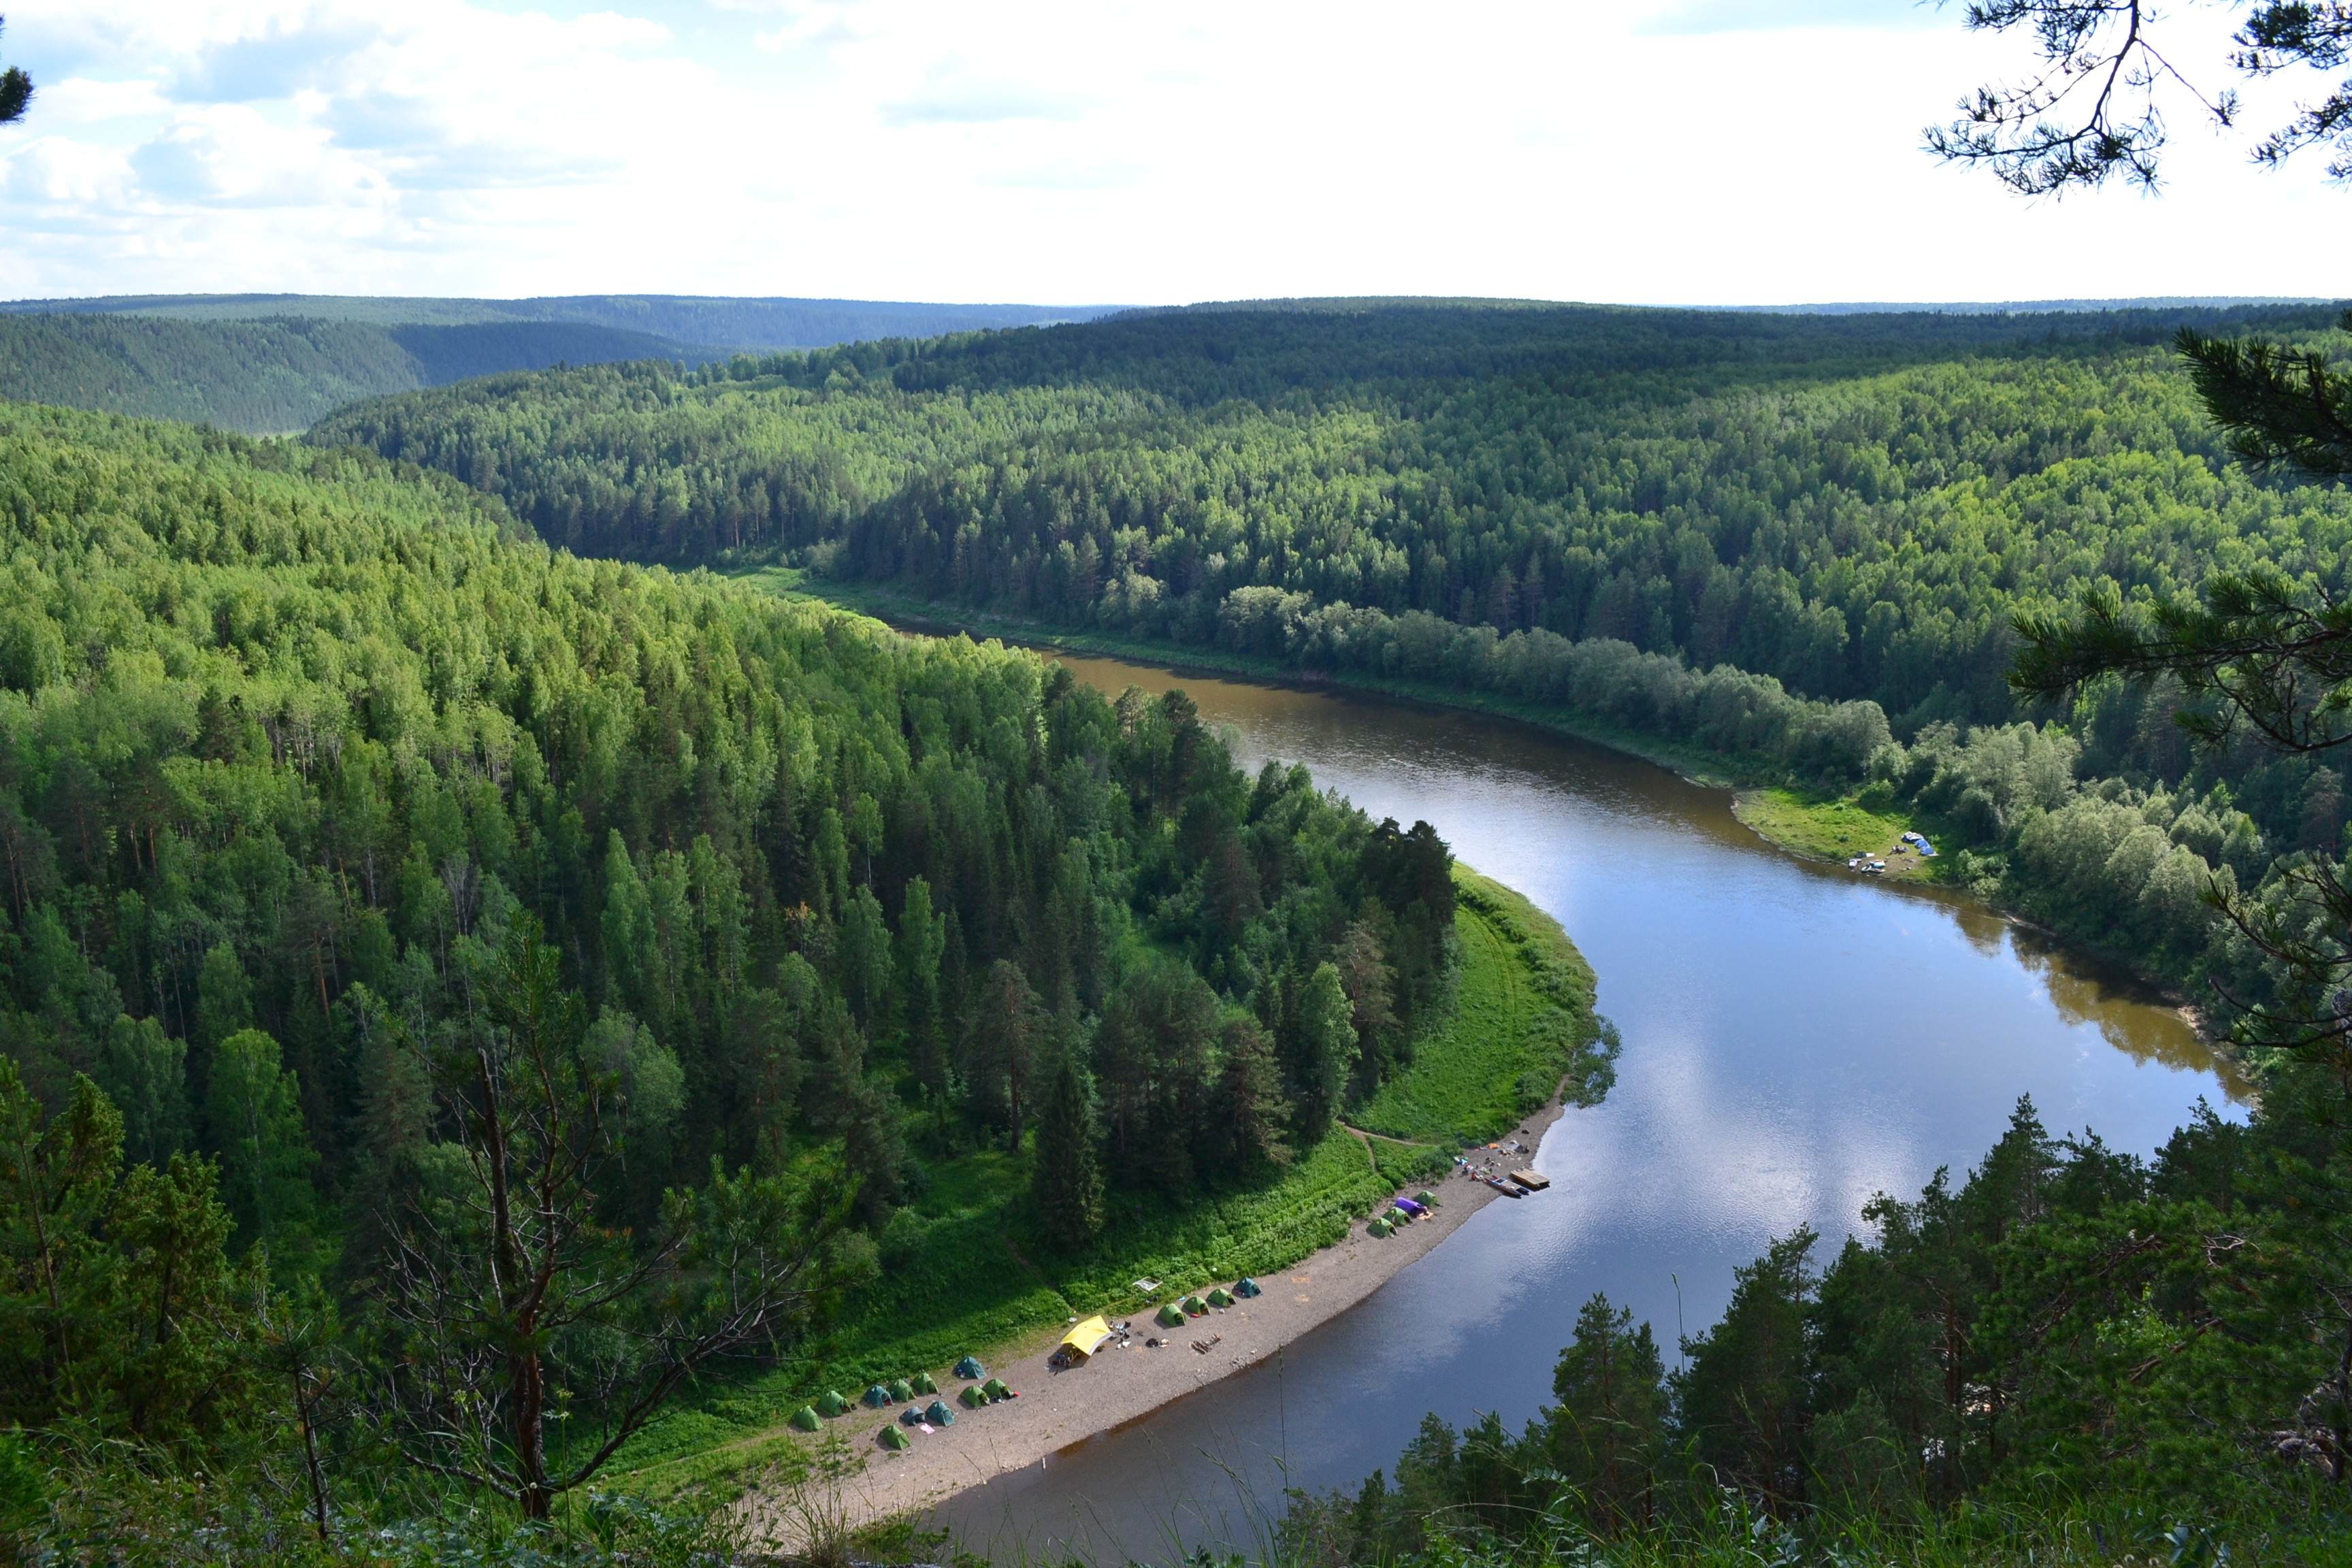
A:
1066, 1178
255, 1116
1322, 1052
1247, 1113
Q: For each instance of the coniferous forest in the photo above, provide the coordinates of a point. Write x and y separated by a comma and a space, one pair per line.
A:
491, 1020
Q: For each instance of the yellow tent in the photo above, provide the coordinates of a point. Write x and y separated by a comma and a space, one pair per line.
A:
1086, 1338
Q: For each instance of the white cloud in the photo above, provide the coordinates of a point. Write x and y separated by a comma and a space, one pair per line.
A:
1061, 149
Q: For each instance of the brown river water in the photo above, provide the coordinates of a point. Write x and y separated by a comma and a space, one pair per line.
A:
1796, 1040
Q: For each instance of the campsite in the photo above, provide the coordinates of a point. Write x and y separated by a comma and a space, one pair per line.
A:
1104, 1371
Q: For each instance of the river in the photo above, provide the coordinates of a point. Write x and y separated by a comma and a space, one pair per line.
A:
1796, 1040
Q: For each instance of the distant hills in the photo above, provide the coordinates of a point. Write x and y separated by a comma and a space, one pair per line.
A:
280, 362
270, 362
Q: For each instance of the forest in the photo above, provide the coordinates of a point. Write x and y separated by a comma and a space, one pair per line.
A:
390, 830
1790, 546
279, 372
369, 863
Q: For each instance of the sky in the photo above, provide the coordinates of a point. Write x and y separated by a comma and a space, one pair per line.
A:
1724, 152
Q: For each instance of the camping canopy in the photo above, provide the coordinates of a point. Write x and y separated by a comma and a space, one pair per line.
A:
1170, 1316
1246, 1287
895, 1440
969, 1367
831, 1404
901, 1391
805, 1418
973, 1397
877, 1397
939, 1414
1221, 1297
1084, 1339
922, 1384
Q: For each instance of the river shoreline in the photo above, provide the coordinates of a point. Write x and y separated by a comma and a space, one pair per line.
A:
1061, 1408
926, 618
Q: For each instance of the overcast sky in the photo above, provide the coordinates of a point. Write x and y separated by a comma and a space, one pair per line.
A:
1640, 150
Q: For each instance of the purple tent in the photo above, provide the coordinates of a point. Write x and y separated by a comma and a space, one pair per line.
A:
1408, 1206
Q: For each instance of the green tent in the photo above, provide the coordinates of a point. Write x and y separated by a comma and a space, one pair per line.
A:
969, 1367
1196, 1308
901, 1391
804, 1419
832, 1403
939, 1414
1221, 1297
995, 1390
1426, 1197
877, 1397
1378, 1228
972, 1397
1246, 1287
1170, 1316
922, 1384
895, 1440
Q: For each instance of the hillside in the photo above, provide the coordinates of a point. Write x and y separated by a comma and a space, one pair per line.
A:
718, 321
278, 374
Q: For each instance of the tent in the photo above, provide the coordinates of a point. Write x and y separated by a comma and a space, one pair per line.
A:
1378, 1228
804, 1419
911, 1417
1196, 1308
831, 1404
1086, 1338
995, 1390
969, 1367
895, 1440
1170, 1316
876, 1397
1221, 1297
1246, 1287
971, 1398
901, 1391
921, 1383
1425, 1197
1408, 1208
939, 1414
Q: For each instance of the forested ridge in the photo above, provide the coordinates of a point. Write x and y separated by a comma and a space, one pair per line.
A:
1791, 543
362, 854
279, 373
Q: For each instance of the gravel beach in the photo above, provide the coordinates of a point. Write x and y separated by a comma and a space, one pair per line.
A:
1060, 1406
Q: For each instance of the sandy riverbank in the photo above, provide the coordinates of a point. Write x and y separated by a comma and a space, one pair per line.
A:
1058, 1407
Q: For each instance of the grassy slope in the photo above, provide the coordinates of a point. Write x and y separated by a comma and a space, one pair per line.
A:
957, 1276
1838, 828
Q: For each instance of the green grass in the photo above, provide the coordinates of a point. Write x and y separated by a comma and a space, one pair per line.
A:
1522, 1021
960, 1271
1824, 827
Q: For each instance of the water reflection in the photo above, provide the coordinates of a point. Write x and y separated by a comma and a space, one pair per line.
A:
1795, 1041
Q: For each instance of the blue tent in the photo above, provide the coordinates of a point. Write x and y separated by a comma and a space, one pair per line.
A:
1246, 1287
939, 1414
877, 1397
969, 1367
